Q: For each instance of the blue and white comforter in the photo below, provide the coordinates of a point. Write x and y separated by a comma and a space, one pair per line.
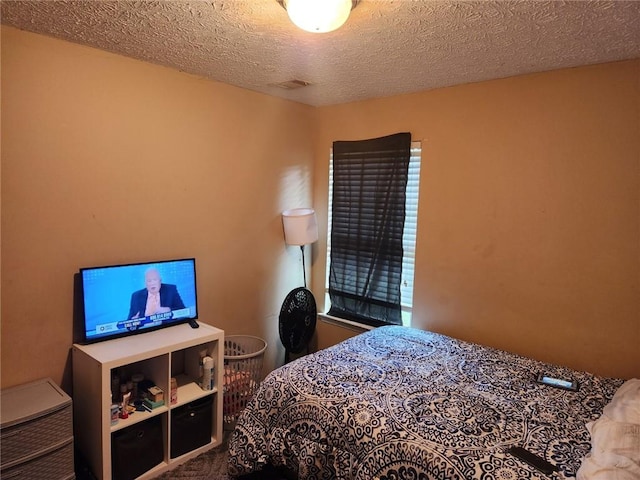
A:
400, 403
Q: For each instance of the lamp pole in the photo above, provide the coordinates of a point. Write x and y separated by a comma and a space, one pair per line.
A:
304, 270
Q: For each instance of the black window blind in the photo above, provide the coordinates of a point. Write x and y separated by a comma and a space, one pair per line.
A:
368, 215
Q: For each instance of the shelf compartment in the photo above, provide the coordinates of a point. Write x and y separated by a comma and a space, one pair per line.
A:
138, 417
138, 449
191, 426
189, 390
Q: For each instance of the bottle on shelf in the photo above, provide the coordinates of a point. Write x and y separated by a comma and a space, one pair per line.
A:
174, 391
115, 411
208, 374
203, 354
123, 391
136, 378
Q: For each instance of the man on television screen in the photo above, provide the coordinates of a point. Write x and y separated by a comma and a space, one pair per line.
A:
157, 297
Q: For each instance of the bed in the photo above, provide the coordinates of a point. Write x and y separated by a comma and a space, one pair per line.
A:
402, 403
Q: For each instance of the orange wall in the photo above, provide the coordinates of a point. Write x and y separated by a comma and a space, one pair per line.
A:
529, 212
109, 160
529, 235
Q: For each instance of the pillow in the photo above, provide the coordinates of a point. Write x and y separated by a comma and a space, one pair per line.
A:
625, 404
615, 438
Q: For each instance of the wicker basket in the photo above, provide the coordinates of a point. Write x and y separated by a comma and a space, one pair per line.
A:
242, 373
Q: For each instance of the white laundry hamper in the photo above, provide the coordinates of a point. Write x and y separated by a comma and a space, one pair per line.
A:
243, 356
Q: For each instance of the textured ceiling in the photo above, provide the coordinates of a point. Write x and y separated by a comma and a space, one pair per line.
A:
387, 47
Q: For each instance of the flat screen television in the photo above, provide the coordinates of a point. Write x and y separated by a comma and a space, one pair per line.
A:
120, 300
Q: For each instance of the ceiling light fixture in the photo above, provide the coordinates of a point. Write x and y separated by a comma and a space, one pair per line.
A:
318, 16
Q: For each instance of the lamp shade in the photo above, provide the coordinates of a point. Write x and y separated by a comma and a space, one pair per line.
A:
300, 226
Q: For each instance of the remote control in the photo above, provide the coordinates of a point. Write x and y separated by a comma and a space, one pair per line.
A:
193, 323
533, 460
567, 384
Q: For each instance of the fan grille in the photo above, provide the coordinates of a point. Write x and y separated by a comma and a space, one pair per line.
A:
297, 319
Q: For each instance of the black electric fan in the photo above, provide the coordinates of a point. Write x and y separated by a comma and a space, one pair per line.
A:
297, 321
297, 318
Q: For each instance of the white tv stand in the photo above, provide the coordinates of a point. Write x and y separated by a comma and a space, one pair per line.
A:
159, 355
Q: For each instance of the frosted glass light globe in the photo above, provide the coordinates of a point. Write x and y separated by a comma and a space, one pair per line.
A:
318, 16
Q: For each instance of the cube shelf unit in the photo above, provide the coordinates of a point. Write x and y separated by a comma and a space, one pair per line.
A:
159, 355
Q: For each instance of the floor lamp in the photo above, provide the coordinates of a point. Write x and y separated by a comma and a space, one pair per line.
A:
298, 312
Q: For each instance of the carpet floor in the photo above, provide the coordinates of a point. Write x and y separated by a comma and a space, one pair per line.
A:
212, 465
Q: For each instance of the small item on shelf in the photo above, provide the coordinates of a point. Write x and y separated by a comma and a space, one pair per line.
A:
114, 413
208, 376
174, 391
124, 412
136, 378
203, 354
143, 387
155, 394
151, 404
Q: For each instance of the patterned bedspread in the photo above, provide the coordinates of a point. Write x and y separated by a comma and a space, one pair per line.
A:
400, 403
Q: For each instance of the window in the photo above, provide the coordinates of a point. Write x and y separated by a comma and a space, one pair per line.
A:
408, 235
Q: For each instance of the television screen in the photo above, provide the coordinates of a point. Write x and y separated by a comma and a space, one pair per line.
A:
121, 300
